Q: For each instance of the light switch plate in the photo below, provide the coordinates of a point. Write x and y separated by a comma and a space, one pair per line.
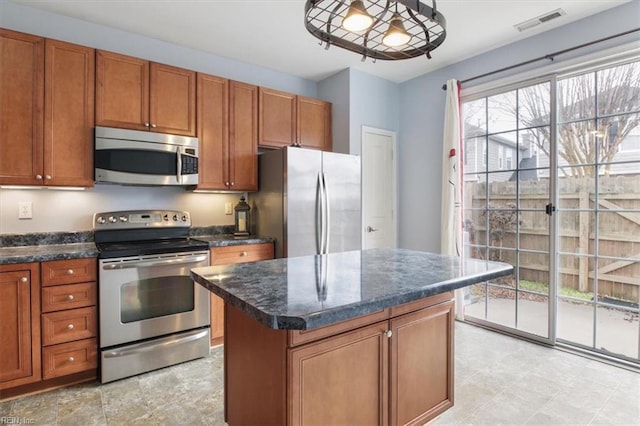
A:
228, 208
25, 210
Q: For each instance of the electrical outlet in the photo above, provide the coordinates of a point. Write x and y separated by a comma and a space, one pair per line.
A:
25, 210
228, 208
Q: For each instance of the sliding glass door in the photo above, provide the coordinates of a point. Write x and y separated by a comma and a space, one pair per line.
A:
552, 186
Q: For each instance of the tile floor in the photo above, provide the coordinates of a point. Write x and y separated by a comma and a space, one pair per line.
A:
499, 380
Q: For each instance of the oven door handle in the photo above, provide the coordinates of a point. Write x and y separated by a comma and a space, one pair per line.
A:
152, 346
149, 264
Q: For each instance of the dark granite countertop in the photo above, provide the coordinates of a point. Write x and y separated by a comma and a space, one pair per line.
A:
41, 253
224, 240
302, 293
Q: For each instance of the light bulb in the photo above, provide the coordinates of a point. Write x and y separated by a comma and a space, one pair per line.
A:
396, 34
357, 19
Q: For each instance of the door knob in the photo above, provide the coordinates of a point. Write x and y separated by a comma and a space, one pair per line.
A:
370, 229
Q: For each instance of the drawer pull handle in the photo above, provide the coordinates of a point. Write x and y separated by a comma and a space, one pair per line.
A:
71, 359
70, 327
70, 297
244, 253
24, 279
70, 272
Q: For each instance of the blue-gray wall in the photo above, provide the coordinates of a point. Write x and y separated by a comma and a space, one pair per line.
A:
422, 103
335, 89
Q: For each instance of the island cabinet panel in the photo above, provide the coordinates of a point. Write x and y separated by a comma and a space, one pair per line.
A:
393, 366
132, 93
225, 256
21, 108
421, 364
341, 379
19, 325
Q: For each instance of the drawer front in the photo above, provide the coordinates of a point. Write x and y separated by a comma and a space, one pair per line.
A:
68, 296
421, 304
69, 358
241, 254
68, 271
67, 326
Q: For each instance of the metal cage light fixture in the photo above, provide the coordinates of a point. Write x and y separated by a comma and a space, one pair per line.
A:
377, 29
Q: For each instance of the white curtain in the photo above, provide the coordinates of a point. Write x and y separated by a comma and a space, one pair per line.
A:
451, 211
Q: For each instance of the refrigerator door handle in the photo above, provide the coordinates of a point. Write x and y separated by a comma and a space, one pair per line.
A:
327, 215
319, 216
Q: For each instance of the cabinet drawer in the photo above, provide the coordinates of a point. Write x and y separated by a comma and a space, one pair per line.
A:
421, 304
68, 271
69, 358
241, 254
67, 326
68, 296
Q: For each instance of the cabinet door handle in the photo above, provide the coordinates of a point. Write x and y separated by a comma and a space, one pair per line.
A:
38, 177
70, 271
70, 327
227, 183
244, 253
71, 359
70, 297
24, 279
146, 124
154, 126
233, 183
47, 177
388, 333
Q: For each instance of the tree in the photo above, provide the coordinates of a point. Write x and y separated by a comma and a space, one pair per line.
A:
612, 95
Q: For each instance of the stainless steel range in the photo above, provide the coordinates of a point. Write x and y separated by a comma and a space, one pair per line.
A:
152, 314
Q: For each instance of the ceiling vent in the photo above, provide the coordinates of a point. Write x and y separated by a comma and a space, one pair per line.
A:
522, 26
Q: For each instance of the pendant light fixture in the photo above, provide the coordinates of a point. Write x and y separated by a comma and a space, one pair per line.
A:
357, 18
378, 29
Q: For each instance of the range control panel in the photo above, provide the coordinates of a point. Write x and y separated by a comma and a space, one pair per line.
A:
132, 219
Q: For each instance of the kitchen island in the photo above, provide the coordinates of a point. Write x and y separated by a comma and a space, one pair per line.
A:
360, 337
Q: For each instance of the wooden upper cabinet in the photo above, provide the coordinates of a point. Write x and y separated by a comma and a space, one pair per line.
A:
314, 123
173, 100
213, 132
277, 118
122, 91
47, 111
136, 94
243, 137
21, 108
69, 114
20, 319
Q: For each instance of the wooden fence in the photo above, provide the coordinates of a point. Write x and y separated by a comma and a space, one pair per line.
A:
585, 250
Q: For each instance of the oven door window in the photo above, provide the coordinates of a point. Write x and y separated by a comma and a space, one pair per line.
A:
136, 161
156, 297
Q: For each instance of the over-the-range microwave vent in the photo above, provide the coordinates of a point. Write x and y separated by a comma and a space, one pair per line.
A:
522, 26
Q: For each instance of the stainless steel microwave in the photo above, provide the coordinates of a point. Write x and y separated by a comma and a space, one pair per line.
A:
133, 157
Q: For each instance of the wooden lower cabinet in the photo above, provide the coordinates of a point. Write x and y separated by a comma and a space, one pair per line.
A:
242, 253
391, 367
19, 325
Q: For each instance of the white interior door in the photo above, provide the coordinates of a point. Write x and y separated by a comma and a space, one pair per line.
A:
378, 188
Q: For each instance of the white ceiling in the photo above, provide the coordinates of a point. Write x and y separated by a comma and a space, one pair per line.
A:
271, 33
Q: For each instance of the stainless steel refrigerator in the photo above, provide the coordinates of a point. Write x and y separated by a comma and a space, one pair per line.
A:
309, 201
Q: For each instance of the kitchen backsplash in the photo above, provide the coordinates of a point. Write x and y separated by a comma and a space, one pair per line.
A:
64, 211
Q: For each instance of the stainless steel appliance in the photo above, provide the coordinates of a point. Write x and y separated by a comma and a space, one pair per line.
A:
133, 157
152, 314
309, 201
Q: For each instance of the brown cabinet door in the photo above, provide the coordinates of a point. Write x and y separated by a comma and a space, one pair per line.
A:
243, 137
314, 123
277, 122
341, 379
421, 363
173, 100
69, 114
122, 91
19, 325
21, 108
228, 255
213, 132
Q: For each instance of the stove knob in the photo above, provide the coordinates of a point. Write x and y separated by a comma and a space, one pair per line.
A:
112, 219
175, 217
184, 218
101, 220
123, 219
166, 217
